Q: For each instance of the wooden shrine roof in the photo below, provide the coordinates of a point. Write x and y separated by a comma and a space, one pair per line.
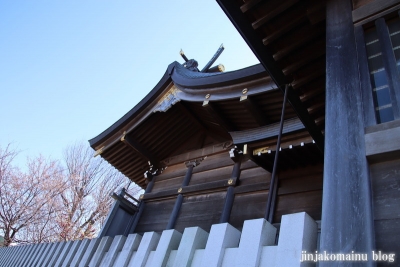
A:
173, 118
288, 38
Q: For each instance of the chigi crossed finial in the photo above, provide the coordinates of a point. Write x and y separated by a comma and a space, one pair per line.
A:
192, 64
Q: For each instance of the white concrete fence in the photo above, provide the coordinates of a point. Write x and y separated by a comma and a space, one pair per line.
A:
223, 246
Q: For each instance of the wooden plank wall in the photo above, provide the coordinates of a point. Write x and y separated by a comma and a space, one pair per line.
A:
251, 195
156, 213
204, 208
299, 190
386, 202
198, 208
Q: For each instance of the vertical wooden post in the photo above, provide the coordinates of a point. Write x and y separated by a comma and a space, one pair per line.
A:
178, 203
135, 220
230, 194
347, 222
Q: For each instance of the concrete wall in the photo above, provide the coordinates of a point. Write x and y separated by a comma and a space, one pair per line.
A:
222, 246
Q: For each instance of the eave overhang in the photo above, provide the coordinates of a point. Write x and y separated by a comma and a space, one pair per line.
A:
188, 110
288, 38
193, 86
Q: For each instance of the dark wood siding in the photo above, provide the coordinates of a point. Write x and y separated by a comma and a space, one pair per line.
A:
200, 210
172, 177
299, 190
248, 206
386, 202
155, 216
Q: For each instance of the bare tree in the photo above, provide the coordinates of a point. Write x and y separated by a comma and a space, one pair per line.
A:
55, 201
86, 199
25, 198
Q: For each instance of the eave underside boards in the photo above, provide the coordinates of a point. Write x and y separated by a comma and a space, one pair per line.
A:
297, 150
288, 37
268, 105
127, 161
161, 134
197, 111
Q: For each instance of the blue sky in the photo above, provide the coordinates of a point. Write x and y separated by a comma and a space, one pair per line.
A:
69, 69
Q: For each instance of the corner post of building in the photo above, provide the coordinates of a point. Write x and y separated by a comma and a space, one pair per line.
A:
347, 221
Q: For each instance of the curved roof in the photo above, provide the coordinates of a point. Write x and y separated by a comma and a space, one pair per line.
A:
188, 111
184, 78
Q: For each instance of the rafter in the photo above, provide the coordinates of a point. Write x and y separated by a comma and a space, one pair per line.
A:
273, 13
140, 149
189, 113
254, 110
245, 28
249, 5
214, 111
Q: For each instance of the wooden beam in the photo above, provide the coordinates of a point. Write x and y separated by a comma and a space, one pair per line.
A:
314, 108
273, 13
307, 34
214, 58
295, 20
249, 5
188, 112
263, 186
310, 72
241, 23
130, 207
244, 27
140, 149
316, 12
254, 110
314, 89
304, 56
214, 111
372, 8
306, 119
183, 56
191, 189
